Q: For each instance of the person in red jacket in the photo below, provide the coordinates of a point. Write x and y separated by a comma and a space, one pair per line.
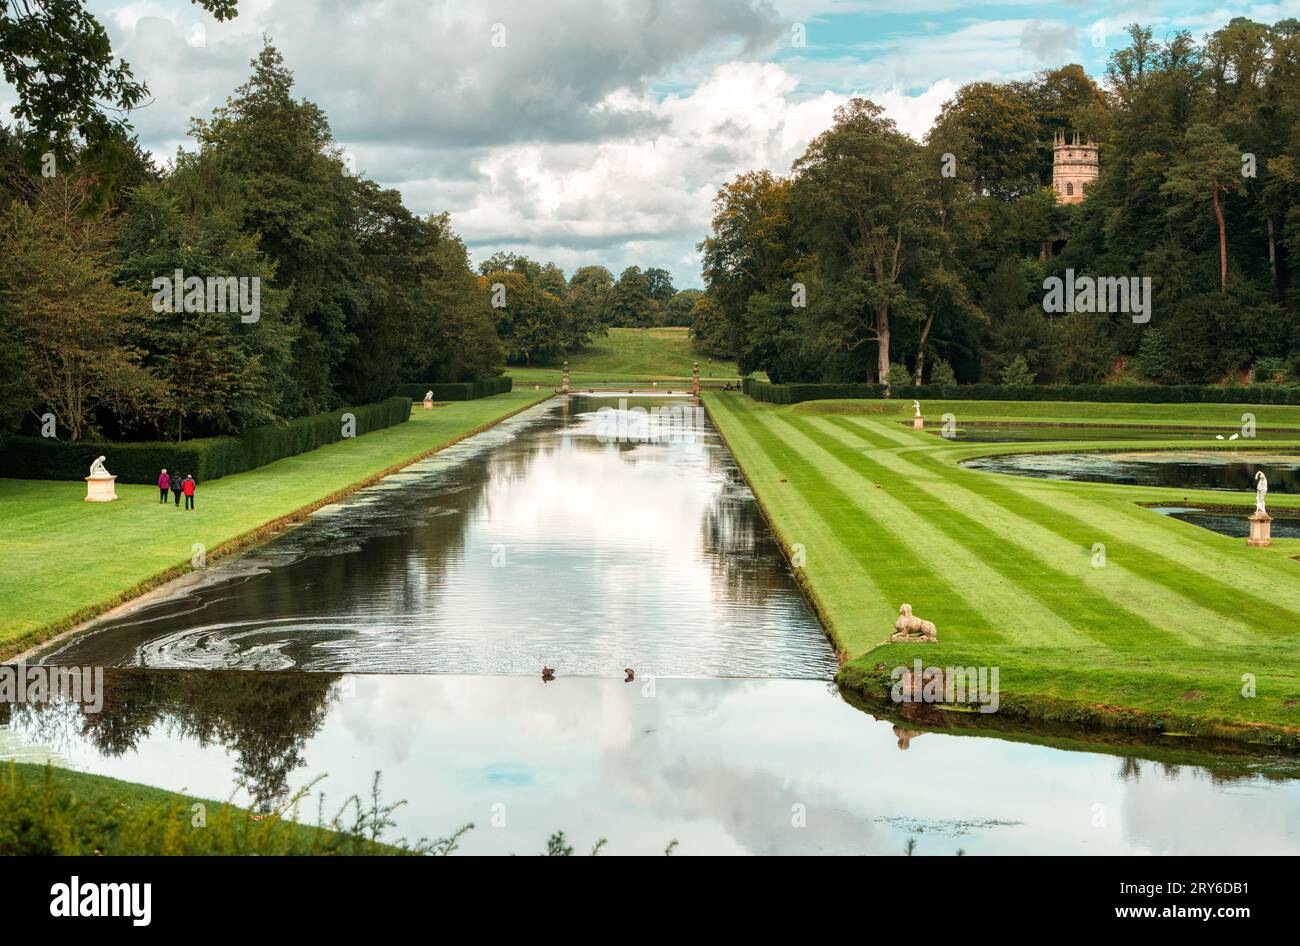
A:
187, 487
164, 484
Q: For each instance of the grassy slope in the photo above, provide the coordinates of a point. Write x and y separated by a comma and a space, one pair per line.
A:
63, 559
1003, 564
59, 811
631, 354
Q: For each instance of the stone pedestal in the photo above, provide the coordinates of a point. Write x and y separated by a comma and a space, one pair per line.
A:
918, 423
428, 403
100, 489
1261, 530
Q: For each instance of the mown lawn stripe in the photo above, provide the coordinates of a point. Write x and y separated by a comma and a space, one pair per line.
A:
1235, 604
891, 561
1037, 576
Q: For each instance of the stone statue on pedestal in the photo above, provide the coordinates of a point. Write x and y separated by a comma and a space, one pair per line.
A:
100, 483
1261, 491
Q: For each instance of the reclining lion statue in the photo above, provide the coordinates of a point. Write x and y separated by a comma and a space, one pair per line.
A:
909, 628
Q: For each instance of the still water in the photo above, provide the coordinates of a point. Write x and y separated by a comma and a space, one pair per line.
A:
427, 605
1040, 433
1237, 526
566, 536
721, 766
1180, 469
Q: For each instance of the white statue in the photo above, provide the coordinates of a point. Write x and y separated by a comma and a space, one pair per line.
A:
97, 468
1261, 490
916, 406
428, 395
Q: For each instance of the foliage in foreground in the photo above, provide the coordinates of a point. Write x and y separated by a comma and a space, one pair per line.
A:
48, 811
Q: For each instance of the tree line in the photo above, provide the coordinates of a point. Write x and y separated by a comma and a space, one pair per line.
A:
541, 315
880, 258
356, 293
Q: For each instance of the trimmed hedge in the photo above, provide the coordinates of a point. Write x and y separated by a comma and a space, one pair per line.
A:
1107, 393
210, 458
458, 390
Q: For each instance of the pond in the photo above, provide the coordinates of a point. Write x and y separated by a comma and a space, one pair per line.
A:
1225, 523
1180, 469
721, 766
566, 536
1042, 433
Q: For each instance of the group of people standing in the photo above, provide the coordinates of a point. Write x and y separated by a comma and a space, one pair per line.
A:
178, 487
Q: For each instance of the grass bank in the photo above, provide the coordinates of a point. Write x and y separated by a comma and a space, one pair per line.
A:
631, 354
1161, 636
63, 560
51, 811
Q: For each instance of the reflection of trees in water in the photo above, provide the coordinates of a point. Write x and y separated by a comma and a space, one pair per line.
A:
746, 560
264, 719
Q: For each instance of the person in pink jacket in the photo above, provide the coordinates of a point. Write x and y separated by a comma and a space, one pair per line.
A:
164, 484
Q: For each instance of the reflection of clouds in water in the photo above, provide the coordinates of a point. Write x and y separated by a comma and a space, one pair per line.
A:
517, 547
719, 765
714, 764
1187, 814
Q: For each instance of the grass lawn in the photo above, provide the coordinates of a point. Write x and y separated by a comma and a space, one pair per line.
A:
63, 560
52, 811
1159, 637
631, 354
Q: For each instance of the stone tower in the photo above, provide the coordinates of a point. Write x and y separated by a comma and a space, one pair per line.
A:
1075, 166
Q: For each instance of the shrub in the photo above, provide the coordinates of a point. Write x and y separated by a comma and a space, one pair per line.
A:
942, 373
1155, 356
457, 390
1272, 371
42, 458
899, 376
1017, 373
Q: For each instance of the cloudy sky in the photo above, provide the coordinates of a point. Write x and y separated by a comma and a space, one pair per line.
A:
598, 131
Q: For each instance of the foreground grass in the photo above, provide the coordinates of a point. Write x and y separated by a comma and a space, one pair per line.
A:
1159, 637
631, 354
63, 560
51, 811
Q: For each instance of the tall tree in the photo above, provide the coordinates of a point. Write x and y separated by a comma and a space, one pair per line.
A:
58, 299
1209, 168
856, 198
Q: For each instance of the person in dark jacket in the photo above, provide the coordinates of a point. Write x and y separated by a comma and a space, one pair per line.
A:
164, 484
188, 487
176, 489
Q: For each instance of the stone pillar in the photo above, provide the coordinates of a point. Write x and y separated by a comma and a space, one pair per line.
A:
565, 388
918, 423
695, 379
1261, 530
100, 489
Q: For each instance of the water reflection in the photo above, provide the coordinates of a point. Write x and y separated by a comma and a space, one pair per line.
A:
1237, 526
723, 766
1035, 433
261, 720
534, 543
1183, 469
